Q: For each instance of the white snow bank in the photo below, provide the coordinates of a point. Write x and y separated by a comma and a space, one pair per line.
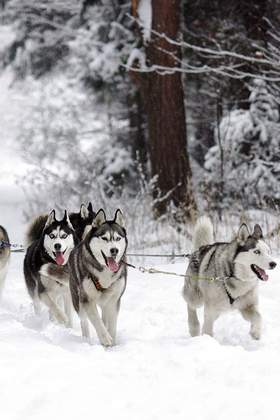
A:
156, 372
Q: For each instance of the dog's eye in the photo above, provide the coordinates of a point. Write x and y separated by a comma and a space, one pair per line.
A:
51, 235
118, 239
104, 238
257, 252
64, 236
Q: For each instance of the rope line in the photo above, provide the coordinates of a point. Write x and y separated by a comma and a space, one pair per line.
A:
151, 270
160, 255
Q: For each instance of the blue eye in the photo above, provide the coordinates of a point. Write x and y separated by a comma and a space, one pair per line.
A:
257, 252
118, 239
104, 238
51, 235
64, 236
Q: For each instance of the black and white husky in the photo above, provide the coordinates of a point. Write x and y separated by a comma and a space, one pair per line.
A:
224, 276
98, 276
45, 265
4, 257
79, 220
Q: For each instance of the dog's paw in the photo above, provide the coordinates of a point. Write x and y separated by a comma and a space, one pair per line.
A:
255, 334
194, 331
105, 339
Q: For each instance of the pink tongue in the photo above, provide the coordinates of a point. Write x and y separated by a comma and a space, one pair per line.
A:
264, 275
59, 258
112, 264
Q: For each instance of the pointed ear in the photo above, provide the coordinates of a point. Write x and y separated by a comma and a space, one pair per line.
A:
243, 233
67, 219
258, 234
89, 207
84, 212
51, 218
119, 218
99, 219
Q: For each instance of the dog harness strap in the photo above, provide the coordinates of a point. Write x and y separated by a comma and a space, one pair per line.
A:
231, 300
97, 284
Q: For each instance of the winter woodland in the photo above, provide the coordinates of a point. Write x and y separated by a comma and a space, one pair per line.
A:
166, 109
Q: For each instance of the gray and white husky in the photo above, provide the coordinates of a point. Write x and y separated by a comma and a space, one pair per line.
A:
5, 254
98, 276
45, 265
224, 276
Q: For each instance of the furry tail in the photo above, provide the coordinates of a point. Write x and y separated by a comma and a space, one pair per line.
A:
3, 234
203, 233
35, 229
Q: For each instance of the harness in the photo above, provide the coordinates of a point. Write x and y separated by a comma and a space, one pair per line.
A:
231, 299
96, 283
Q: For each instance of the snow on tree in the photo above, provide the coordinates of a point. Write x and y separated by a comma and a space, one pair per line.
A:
244, 164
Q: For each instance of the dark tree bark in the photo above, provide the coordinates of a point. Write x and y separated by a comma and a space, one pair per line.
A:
163, 99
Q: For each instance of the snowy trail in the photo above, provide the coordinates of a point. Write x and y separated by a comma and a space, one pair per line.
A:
156, 372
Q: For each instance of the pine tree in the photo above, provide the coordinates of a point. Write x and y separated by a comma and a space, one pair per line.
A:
250, 146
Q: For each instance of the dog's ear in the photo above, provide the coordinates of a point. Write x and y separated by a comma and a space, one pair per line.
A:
89, 207
66, 219
243, 234
99, 219
119, 218
258, 234
84, 212
51, 218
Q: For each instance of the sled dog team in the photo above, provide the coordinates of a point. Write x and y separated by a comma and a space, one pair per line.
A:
79, 262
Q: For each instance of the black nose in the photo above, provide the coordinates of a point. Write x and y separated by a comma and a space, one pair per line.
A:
272, 265
114, 252
57, 247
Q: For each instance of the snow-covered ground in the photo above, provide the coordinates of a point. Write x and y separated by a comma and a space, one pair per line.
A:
155, 372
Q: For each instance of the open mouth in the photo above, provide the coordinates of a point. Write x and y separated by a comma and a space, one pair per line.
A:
59, 257
260, 273
111, 263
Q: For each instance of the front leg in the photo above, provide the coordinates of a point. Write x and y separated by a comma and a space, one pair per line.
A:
53, 307
251, 314
102, 333
110, 316
68, 308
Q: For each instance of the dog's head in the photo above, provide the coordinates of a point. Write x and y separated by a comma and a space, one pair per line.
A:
253, 254
82, 219
107, 240
59, 238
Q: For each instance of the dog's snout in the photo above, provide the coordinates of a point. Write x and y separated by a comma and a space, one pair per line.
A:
272, 265
114, 252
57, 247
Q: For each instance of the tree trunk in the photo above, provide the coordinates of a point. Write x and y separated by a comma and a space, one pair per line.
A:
163, 99
137, 125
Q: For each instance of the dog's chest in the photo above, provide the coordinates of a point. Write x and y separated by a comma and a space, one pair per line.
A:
105, 280
55, 276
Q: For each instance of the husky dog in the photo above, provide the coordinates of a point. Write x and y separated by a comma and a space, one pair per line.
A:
82, 219
79, 221
5, 254
45, 266
224, 276
98, 276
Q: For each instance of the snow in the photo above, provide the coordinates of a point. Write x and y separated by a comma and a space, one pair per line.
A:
155, 372
145, 17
